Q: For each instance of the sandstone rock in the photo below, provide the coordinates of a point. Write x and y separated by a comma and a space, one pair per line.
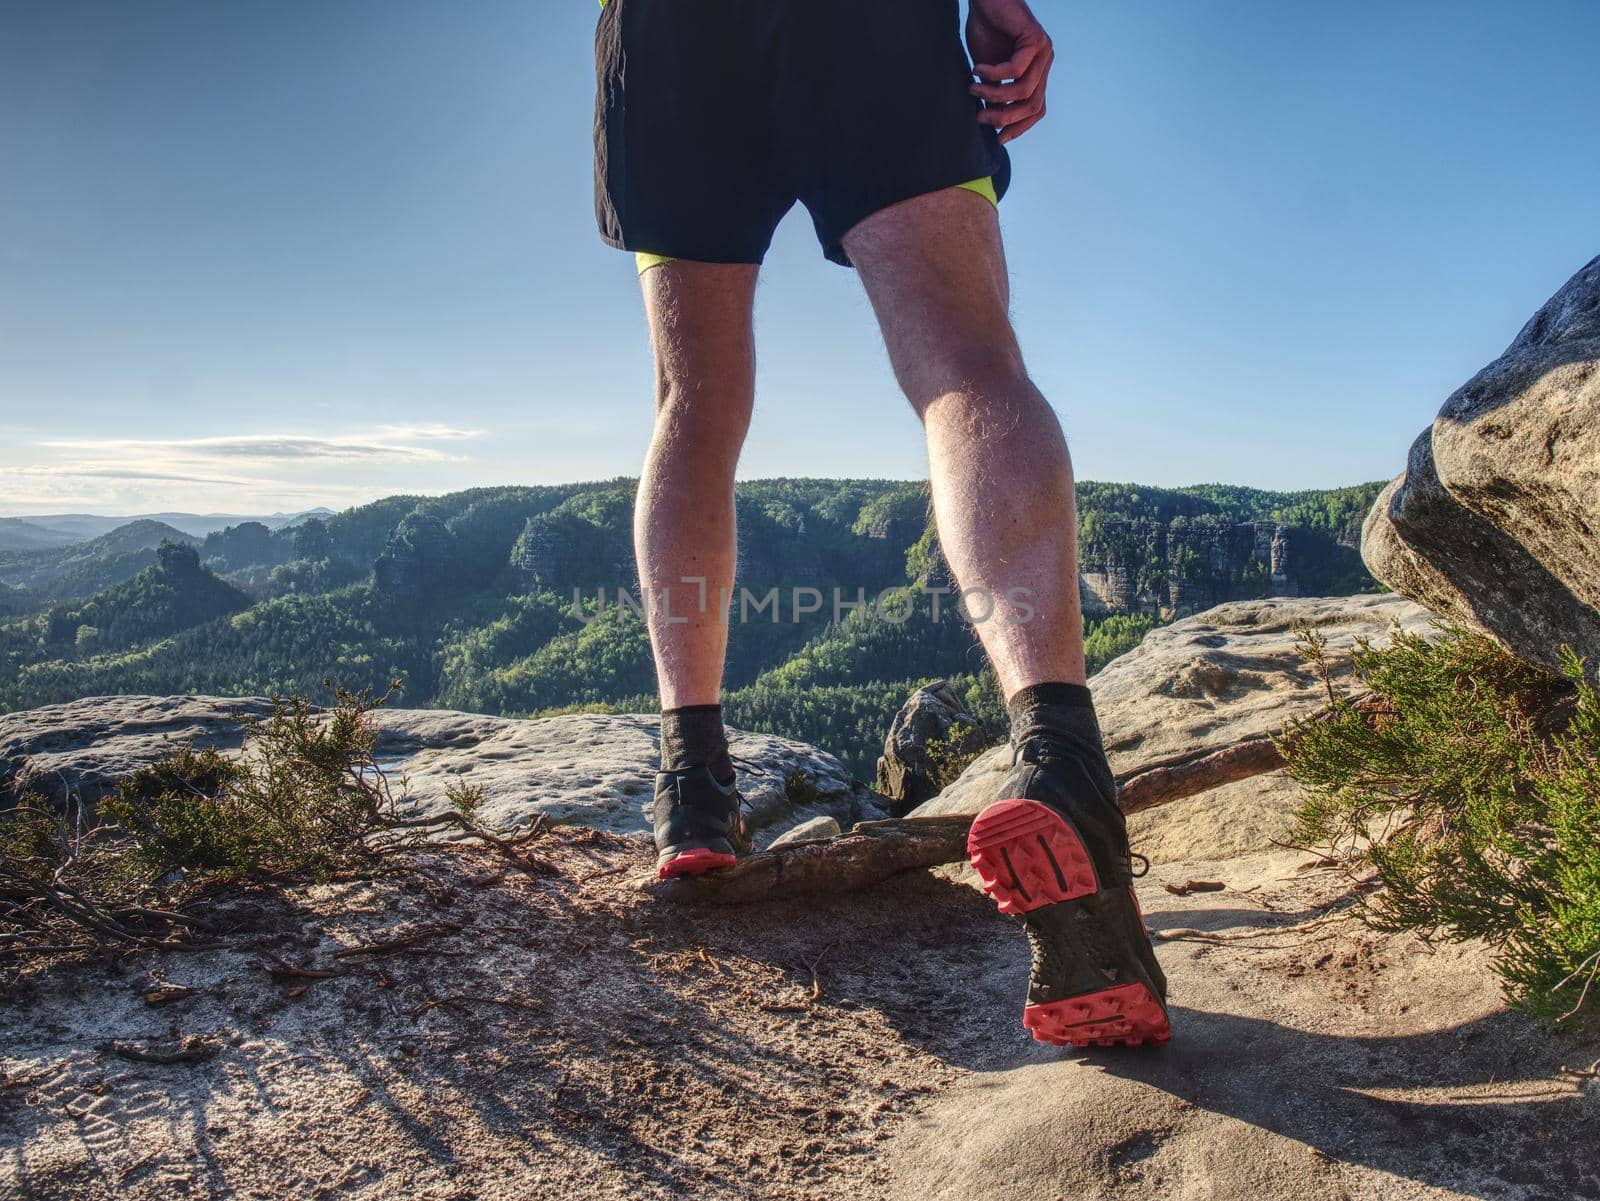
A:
582, 769
537, 1043
1495, 523
1220, 823
816, 827
1205, 683
905, 773
1422, 542
84, 747
1390, 558
583, 1042
1520, 444
594, 769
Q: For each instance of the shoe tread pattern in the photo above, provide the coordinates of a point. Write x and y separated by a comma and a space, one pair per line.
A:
1028, 856
1128, 1015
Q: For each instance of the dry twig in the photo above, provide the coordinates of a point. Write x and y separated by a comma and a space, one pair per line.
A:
1185, 934
1188, 886
404, 942
192, 1048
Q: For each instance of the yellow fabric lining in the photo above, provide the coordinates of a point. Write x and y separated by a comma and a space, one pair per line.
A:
983, 187
644, 260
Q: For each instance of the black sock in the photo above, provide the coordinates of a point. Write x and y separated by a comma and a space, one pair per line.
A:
1066, 713
1034, 696
693, 736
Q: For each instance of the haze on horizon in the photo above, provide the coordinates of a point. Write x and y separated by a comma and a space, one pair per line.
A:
266, 258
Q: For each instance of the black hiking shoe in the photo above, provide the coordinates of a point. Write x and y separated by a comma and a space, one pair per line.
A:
698, 823
1054, 849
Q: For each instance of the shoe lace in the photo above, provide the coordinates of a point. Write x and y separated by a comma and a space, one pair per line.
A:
744, 803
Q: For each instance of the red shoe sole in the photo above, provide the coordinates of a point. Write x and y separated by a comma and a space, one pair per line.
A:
1126, 1015
1028, 857
693, 863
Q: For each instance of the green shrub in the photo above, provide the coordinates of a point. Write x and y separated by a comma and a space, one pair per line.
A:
306, 800
1470, 782
302, 801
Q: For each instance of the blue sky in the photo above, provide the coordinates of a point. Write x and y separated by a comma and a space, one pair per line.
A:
261, 256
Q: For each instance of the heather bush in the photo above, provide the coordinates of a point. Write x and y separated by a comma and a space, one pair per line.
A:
1469, 782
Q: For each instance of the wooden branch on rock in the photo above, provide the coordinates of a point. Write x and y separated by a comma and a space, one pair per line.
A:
870, 852
1175, 781
1161, 783
873, 851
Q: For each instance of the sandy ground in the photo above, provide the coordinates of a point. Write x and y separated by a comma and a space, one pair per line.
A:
565, 1037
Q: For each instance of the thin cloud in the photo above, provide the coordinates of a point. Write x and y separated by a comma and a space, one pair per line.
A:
394, 444
406, 433
38, 490
225, 472
122, 473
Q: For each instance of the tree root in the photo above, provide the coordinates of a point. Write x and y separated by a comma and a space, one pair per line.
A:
869, 853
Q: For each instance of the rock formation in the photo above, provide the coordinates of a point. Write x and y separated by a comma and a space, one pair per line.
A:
1315, 1064
905, 773
1189, 563
1207, 684
469, 1031
593, 770
1495, 522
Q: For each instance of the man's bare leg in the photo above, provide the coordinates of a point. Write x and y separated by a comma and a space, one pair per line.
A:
700, 328
701, 331
935, 271
1053, 848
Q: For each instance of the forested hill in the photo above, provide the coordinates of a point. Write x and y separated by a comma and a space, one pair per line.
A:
469, 598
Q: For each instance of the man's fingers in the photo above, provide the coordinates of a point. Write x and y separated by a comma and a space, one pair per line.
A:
1012, 132
1007, 93
1015, 107
1026, 51
1007, 115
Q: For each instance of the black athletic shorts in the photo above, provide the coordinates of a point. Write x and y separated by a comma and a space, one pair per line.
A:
714, 116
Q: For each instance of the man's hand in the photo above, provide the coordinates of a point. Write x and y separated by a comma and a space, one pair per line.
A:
1008, 43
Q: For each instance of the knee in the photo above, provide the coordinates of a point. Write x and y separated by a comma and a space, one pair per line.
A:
972, 376
705, 414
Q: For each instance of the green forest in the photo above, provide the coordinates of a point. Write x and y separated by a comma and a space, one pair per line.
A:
487, 600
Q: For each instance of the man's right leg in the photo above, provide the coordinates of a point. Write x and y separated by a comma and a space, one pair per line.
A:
1054, 847
701, 332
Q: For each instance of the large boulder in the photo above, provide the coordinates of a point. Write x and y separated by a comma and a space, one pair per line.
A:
906, 773
1495, 522
583, 769
1208, 682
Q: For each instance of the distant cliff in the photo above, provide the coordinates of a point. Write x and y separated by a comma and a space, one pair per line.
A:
1168, 569
1152, 551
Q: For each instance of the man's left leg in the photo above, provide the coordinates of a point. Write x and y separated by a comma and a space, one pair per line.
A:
700, 330
1054, 848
